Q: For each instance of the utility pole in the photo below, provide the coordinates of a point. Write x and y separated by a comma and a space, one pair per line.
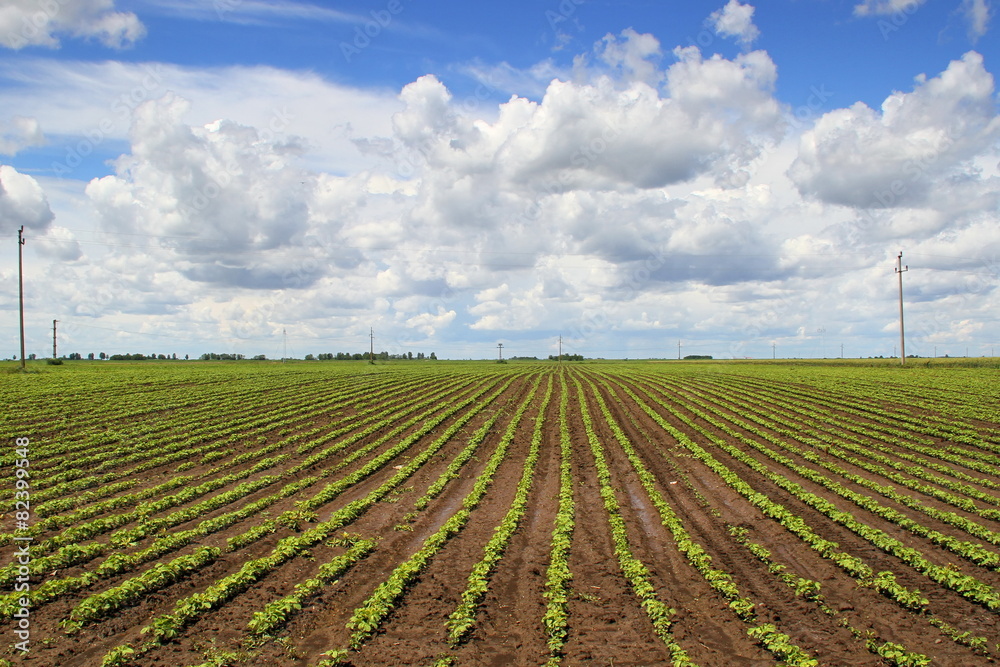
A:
773, 353
500, 351
54, 339
678, 350
284, 334
371, 350
20, 287
900, 270
841, 350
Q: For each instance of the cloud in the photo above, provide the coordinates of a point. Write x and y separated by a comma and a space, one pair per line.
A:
605, 134
60, 244
252, 11
886, 7
915, 150
90, 106
429, 324
19, 133
22, 202
222, 191
31, 23
634, 55
977, 15
529, 82
735, 20
626, 196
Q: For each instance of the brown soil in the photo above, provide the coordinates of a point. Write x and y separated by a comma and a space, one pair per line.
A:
607, 623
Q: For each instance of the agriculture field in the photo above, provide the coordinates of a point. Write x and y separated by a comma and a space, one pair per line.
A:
442, 513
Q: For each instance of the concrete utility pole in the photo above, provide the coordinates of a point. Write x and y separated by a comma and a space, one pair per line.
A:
20, 287
900, 270
678, 350
54, 339
371, 352
500, 351
284, 334
773, 352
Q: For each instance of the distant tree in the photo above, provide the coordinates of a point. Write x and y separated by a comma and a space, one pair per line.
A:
260, 357
161, 356
409, 355
433, 356
90, 356
185, 356
103, 356
310, 357
31, 356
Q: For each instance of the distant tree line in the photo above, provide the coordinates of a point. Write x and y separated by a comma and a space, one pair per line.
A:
698, 357
225, 356
364, 356
138, 356
566, 357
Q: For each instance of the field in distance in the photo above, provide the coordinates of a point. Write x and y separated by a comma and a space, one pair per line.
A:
440, 513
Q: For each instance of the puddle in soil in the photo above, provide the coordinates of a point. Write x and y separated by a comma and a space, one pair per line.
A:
650, 524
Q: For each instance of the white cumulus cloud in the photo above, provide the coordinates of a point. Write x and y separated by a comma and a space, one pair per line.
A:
915, 148
22, 202
736, 20
33, 23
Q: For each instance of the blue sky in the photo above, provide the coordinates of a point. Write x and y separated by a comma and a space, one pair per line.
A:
216, 176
